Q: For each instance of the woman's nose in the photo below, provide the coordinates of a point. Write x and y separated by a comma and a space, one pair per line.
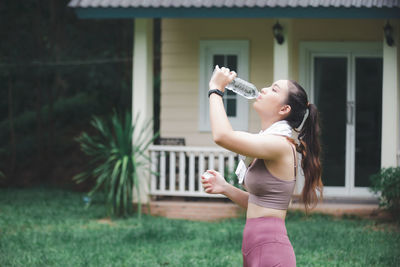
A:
264, 90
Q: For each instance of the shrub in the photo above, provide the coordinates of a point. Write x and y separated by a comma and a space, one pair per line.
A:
387, 183
231, 177
116, 159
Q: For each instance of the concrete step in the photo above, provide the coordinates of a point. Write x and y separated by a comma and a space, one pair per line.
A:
213, 211
202, 211
340, 209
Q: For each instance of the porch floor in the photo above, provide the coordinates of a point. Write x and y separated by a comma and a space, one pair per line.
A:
218, 210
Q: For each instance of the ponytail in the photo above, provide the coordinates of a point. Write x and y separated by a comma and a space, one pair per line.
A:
309, 144
309, 148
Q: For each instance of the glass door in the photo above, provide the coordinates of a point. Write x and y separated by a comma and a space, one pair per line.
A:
330, 96
347, 89
368, 119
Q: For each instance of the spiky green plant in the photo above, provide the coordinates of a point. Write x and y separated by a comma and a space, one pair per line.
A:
118, 153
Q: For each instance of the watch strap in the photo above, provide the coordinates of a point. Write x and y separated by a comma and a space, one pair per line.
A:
216, 91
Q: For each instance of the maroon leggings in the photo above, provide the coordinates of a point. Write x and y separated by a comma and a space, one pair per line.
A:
266, 244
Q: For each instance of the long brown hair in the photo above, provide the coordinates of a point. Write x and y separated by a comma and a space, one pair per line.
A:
309, 145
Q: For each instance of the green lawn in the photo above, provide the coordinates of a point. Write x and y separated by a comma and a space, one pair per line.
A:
48, 227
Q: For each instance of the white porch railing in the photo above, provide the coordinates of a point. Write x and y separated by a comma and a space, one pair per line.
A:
180, 169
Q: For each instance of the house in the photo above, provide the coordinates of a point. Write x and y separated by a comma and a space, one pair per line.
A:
344, 53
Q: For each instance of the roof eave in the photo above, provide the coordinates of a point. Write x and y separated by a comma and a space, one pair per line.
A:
285, 12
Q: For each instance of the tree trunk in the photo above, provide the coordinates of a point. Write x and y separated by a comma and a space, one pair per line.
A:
13, 151
38, 32
39, 120
57, 33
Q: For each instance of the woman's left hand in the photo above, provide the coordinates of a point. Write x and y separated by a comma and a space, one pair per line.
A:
221, 77
215, 183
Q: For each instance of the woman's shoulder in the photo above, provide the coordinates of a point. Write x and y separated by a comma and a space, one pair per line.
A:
278, 139
284, 143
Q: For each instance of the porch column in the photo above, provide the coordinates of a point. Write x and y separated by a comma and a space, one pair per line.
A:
390, 100
282, 52
282, 70
142, 89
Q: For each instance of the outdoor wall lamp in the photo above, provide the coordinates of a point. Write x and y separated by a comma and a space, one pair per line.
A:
277, 31
388, 30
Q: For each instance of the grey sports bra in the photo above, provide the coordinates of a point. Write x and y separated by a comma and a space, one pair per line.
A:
265, 189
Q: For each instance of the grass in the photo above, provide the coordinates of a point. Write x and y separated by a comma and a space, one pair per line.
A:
49, 227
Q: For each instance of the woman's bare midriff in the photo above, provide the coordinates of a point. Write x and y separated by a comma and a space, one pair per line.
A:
255, 211
281, 169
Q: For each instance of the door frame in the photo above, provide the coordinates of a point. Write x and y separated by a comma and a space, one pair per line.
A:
350, 50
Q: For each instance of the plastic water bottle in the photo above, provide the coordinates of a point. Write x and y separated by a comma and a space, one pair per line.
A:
243, 88
207, 175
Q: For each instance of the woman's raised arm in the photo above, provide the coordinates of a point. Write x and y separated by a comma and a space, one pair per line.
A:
253, 145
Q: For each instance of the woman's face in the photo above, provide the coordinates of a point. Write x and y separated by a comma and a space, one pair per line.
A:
271, 101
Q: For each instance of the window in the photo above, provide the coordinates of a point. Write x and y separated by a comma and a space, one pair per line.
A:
231, 54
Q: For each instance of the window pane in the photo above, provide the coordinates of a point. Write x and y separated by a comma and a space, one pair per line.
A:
368, 118
231, 107
232, 65
330, 79
232, 62
230, 93
218, 60
229, 61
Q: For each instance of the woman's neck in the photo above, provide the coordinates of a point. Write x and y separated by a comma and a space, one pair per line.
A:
265, 124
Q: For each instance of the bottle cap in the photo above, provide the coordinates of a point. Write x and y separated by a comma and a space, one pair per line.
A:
207, 175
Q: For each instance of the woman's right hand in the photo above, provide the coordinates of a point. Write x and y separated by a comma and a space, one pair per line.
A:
220, 78
215, 184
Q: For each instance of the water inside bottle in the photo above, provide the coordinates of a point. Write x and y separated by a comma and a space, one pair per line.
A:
243, 88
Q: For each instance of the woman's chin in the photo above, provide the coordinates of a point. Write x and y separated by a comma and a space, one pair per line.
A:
255, 104
256, 107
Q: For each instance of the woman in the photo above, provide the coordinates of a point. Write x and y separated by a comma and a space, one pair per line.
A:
270, 179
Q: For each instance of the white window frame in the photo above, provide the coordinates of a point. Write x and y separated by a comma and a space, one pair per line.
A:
208, 48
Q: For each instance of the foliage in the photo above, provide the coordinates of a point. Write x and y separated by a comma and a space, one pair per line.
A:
48, 227
116, 159
231, 177
56, 71
68, 110
387, 183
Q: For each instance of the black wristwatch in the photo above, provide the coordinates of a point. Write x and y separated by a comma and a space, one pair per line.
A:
217, 91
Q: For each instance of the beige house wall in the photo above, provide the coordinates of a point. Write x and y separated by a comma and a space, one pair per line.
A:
335, 30
180, 69
180, 61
